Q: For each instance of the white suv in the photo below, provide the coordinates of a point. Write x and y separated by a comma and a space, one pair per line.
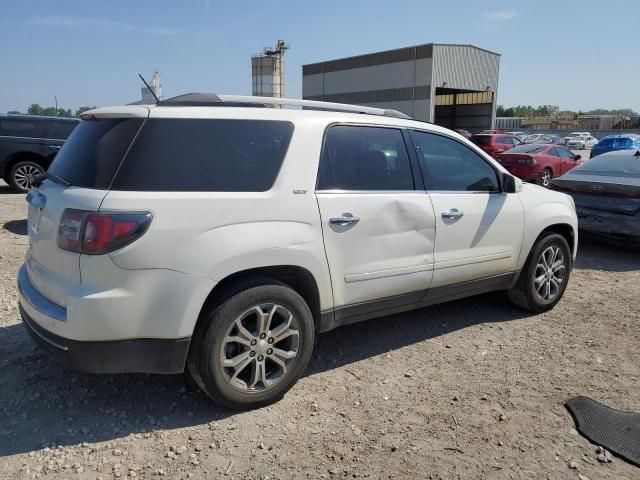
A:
207, 233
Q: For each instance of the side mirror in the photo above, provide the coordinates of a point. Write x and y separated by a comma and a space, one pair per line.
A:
508, 183
577, 157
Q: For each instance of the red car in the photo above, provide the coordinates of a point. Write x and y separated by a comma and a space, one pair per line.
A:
538, 163
495, 143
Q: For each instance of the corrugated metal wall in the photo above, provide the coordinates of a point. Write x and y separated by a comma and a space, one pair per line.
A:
465, 67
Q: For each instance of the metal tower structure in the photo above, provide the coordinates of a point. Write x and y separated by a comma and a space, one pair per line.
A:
267, 71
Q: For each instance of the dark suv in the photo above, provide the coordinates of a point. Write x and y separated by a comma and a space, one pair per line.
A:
28, 144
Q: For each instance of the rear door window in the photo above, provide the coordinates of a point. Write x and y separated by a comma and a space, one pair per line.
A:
93, 152
24, 127
364, 158
197, 155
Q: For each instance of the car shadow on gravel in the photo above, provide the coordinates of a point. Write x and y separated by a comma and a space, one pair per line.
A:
598, 254
17, 227
45, 405
6, 189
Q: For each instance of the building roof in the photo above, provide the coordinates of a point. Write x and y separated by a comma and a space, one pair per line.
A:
425, 47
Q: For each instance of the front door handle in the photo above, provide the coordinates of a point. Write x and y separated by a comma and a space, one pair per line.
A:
344, 219
54, 147
453, 213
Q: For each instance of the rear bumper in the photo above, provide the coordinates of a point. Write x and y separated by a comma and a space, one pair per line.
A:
148, 355
609, 224
144, 355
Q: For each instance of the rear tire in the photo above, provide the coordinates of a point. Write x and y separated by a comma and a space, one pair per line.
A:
544, 279
545, 178
251, 348
22, 174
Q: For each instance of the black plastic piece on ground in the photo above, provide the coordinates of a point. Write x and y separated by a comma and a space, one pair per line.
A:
615, 430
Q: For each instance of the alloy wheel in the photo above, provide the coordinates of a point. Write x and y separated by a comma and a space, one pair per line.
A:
546, 178
550, 273
24, 175
259, 348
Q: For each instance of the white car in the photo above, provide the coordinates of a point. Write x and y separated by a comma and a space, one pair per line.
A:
582, 143
575, 135
518, 135
533, 138
201, 234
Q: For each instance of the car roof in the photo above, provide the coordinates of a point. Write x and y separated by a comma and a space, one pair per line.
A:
622, 135
38, 117
258, 113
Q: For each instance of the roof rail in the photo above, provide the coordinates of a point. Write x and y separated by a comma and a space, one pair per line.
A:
213, 100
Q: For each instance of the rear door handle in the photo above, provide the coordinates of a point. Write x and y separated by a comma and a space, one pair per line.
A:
453, 213
54, 147
344, 219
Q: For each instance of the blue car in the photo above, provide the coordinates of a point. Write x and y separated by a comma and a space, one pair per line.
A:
624, 141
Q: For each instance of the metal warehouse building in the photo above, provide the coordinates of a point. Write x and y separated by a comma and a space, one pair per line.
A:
451, 85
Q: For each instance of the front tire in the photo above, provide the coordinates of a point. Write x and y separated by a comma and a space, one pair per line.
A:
22, 174
544, 279
253, 347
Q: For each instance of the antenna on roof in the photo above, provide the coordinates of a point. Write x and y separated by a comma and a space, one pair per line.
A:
150, 89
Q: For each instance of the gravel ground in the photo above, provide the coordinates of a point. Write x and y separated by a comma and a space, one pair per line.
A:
467, 390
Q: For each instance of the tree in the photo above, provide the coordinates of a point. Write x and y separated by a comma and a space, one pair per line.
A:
36, 109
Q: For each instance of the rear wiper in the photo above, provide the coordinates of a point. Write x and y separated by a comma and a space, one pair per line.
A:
49, 176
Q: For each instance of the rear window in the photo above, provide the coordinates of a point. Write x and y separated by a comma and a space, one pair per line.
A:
24, 127
611, 165
616, 143
195, 155
93, 152
527, 149
481, 139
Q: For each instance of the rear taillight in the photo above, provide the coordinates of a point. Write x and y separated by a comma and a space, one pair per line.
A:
526, 161
95, 233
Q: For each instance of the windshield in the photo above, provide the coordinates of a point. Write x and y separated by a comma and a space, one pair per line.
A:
611, 165
527, 149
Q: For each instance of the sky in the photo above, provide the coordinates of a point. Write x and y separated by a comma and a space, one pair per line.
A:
575, 54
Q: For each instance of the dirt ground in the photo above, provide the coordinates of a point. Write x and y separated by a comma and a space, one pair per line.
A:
467, 390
